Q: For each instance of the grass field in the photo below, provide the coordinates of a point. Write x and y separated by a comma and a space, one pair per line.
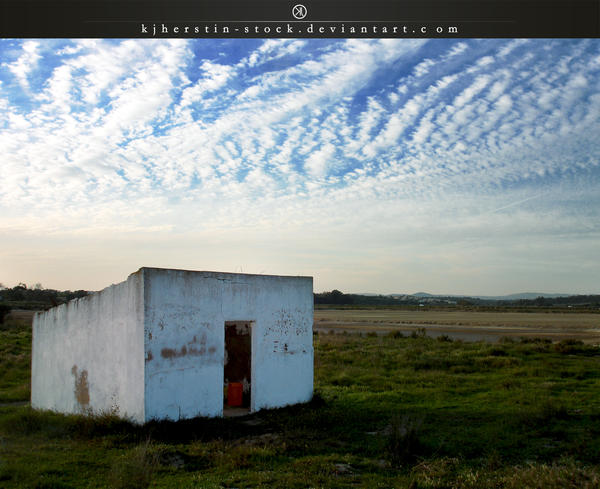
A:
390, 411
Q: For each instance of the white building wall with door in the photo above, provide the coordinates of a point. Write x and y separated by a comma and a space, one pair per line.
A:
185, 315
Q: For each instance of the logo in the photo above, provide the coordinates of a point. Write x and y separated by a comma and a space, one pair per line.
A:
299, 11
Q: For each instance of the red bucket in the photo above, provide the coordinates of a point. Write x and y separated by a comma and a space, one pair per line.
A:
234, 393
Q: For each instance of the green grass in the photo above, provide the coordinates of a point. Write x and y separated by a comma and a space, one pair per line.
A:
389, 411
15, 361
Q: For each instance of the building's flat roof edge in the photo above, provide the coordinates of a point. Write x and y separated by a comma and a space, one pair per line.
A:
212, 272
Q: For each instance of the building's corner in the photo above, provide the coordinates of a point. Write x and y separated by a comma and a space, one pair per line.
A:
141, 318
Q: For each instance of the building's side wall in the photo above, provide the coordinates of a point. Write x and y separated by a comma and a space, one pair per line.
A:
184, 339
282, 345
87, 355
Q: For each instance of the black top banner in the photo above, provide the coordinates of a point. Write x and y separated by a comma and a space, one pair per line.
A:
300, 19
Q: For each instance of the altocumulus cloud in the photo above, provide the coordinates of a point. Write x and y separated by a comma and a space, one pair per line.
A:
376, 165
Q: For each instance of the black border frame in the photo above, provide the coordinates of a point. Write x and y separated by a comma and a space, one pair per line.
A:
274, 18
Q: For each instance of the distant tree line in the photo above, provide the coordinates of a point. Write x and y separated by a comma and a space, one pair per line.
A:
573, 301
339, 298
35, 297
336, 297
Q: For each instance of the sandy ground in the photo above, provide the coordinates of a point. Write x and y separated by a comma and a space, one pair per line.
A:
467, 326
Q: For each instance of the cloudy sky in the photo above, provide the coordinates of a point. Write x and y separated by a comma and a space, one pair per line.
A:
389, 166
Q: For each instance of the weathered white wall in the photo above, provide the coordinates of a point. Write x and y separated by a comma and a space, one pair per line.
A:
153, 346
184, 345
88, 354
184, 335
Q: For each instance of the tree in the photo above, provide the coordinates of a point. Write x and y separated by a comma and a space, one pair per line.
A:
336, 296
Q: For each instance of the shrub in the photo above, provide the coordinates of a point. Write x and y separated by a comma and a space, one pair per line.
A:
99, 424
435, 473
24, 422
550, 410
343, 378
431, 363
6, 472
491, 362
547, 411
569, 346
317, 401
403, 444
510, 384
395, 334
134, 470
4, 310
51, 481
543, 341
559, 475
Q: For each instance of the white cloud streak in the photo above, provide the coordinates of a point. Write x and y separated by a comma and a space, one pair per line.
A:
25, 64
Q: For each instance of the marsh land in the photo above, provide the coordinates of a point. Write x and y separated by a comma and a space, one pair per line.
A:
461, 324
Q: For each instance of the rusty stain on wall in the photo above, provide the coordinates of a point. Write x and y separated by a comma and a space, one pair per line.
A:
149, 357
190, 349
82, 388
171, 353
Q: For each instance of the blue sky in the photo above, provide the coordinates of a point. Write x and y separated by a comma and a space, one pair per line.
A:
390, 166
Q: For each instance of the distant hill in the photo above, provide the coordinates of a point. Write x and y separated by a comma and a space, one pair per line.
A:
510, 297
522, 296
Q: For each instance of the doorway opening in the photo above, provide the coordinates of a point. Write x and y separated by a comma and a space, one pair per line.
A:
237, 388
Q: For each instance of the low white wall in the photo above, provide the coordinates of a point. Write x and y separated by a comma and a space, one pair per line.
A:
88, 354
185, 314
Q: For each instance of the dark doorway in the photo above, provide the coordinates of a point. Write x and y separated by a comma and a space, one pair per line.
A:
238, 367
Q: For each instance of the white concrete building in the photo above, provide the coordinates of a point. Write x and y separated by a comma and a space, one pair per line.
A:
165, 343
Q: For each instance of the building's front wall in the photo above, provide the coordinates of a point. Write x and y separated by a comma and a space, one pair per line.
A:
184, 345
185, 314
87, 355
